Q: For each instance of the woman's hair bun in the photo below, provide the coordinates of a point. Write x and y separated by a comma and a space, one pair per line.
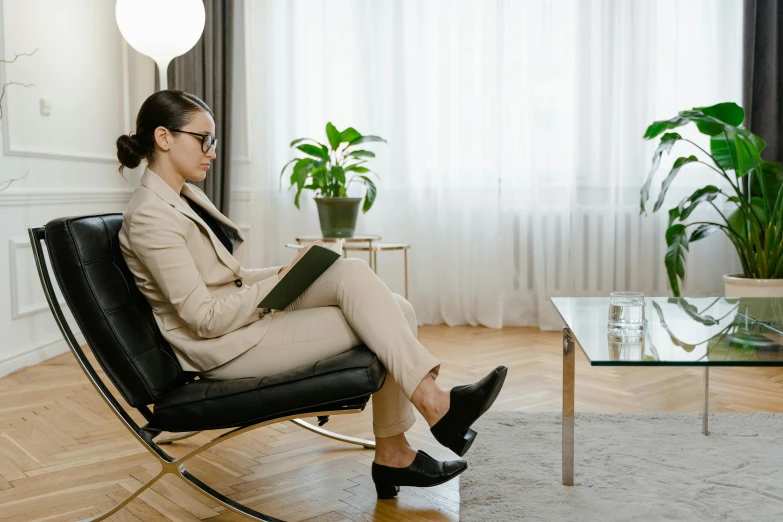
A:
129, 151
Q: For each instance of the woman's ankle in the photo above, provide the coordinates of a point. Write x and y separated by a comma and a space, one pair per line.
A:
394, 451
431, 401
438, 408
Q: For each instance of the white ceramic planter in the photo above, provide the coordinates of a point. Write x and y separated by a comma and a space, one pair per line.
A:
738, 286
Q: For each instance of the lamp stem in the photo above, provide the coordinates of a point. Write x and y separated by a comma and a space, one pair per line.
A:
163, 68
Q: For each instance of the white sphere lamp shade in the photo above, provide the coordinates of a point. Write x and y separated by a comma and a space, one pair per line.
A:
161, 29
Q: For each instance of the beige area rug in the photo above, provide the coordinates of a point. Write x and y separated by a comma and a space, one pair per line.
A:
628, 467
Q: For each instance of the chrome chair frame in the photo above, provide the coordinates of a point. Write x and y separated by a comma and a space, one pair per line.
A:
169, 464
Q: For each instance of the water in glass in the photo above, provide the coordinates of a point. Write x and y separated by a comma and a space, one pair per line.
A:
626, 313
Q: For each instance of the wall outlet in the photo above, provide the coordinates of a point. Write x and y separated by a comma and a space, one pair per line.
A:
46, 106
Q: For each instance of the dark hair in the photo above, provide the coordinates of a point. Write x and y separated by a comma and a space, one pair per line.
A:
169, 108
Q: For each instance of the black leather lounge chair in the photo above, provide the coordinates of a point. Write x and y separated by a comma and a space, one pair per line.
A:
118, 325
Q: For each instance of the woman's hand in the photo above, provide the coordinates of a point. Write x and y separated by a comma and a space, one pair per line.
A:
299, 255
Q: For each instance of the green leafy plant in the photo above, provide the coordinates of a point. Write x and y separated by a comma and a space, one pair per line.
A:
324, 169
754, 192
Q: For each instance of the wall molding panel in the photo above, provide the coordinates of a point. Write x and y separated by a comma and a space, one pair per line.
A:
15, 150
12, 198
19, 310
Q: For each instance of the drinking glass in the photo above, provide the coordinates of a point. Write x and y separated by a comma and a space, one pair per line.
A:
626, 313
624, 348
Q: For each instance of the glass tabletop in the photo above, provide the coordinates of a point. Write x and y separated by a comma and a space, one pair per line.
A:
711, 331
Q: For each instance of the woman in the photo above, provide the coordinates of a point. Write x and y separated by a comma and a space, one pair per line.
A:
187, 257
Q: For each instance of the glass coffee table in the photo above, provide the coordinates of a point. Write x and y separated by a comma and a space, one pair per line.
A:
715, 331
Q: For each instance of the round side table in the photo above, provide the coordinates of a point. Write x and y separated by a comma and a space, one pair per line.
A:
374, 248
348, 244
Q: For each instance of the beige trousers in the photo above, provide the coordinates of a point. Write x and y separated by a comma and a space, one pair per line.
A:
346, 306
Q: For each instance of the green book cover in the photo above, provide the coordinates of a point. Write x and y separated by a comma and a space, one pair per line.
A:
299, 277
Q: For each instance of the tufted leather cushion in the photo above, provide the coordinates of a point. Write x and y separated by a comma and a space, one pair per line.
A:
117, 323
345, 380
111, 312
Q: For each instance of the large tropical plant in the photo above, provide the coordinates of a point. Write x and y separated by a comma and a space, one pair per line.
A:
324, 169
752, 195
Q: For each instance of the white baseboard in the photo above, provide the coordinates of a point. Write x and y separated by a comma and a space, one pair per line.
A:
35, 356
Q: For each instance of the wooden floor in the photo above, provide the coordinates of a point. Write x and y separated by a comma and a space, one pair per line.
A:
64, 456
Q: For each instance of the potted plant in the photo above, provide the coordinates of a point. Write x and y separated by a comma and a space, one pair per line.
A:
324, 169
753, 190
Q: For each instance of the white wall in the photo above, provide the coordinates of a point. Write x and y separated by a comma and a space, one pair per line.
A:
95, 83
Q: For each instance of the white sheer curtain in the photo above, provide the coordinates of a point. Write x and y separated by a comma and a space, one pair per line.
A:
515, 152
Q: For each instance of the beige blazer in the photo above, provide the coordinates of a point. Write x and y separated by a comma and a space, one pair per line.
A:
202, 298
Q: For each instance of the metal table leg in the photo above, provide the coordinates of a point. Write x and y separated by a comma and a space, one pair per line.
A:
706, 411
405, 253
568, 407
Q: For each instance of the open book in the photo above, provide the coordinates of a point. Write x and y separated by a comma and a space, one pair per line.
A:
309, 268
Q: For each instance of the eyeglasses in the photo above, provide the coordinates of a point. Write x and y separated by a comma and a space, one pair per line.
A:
207, 140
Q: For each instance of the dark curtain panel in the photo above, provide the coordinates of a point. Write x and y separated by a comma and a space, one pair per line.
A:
205, 71
763, 73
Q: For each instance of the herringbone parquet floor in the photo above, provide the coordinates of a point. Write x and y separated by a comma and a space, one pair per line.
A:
65, 457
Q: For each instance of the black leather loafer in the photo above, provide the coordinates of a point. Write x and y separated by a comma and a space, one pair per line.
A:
423, 472
468, 403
